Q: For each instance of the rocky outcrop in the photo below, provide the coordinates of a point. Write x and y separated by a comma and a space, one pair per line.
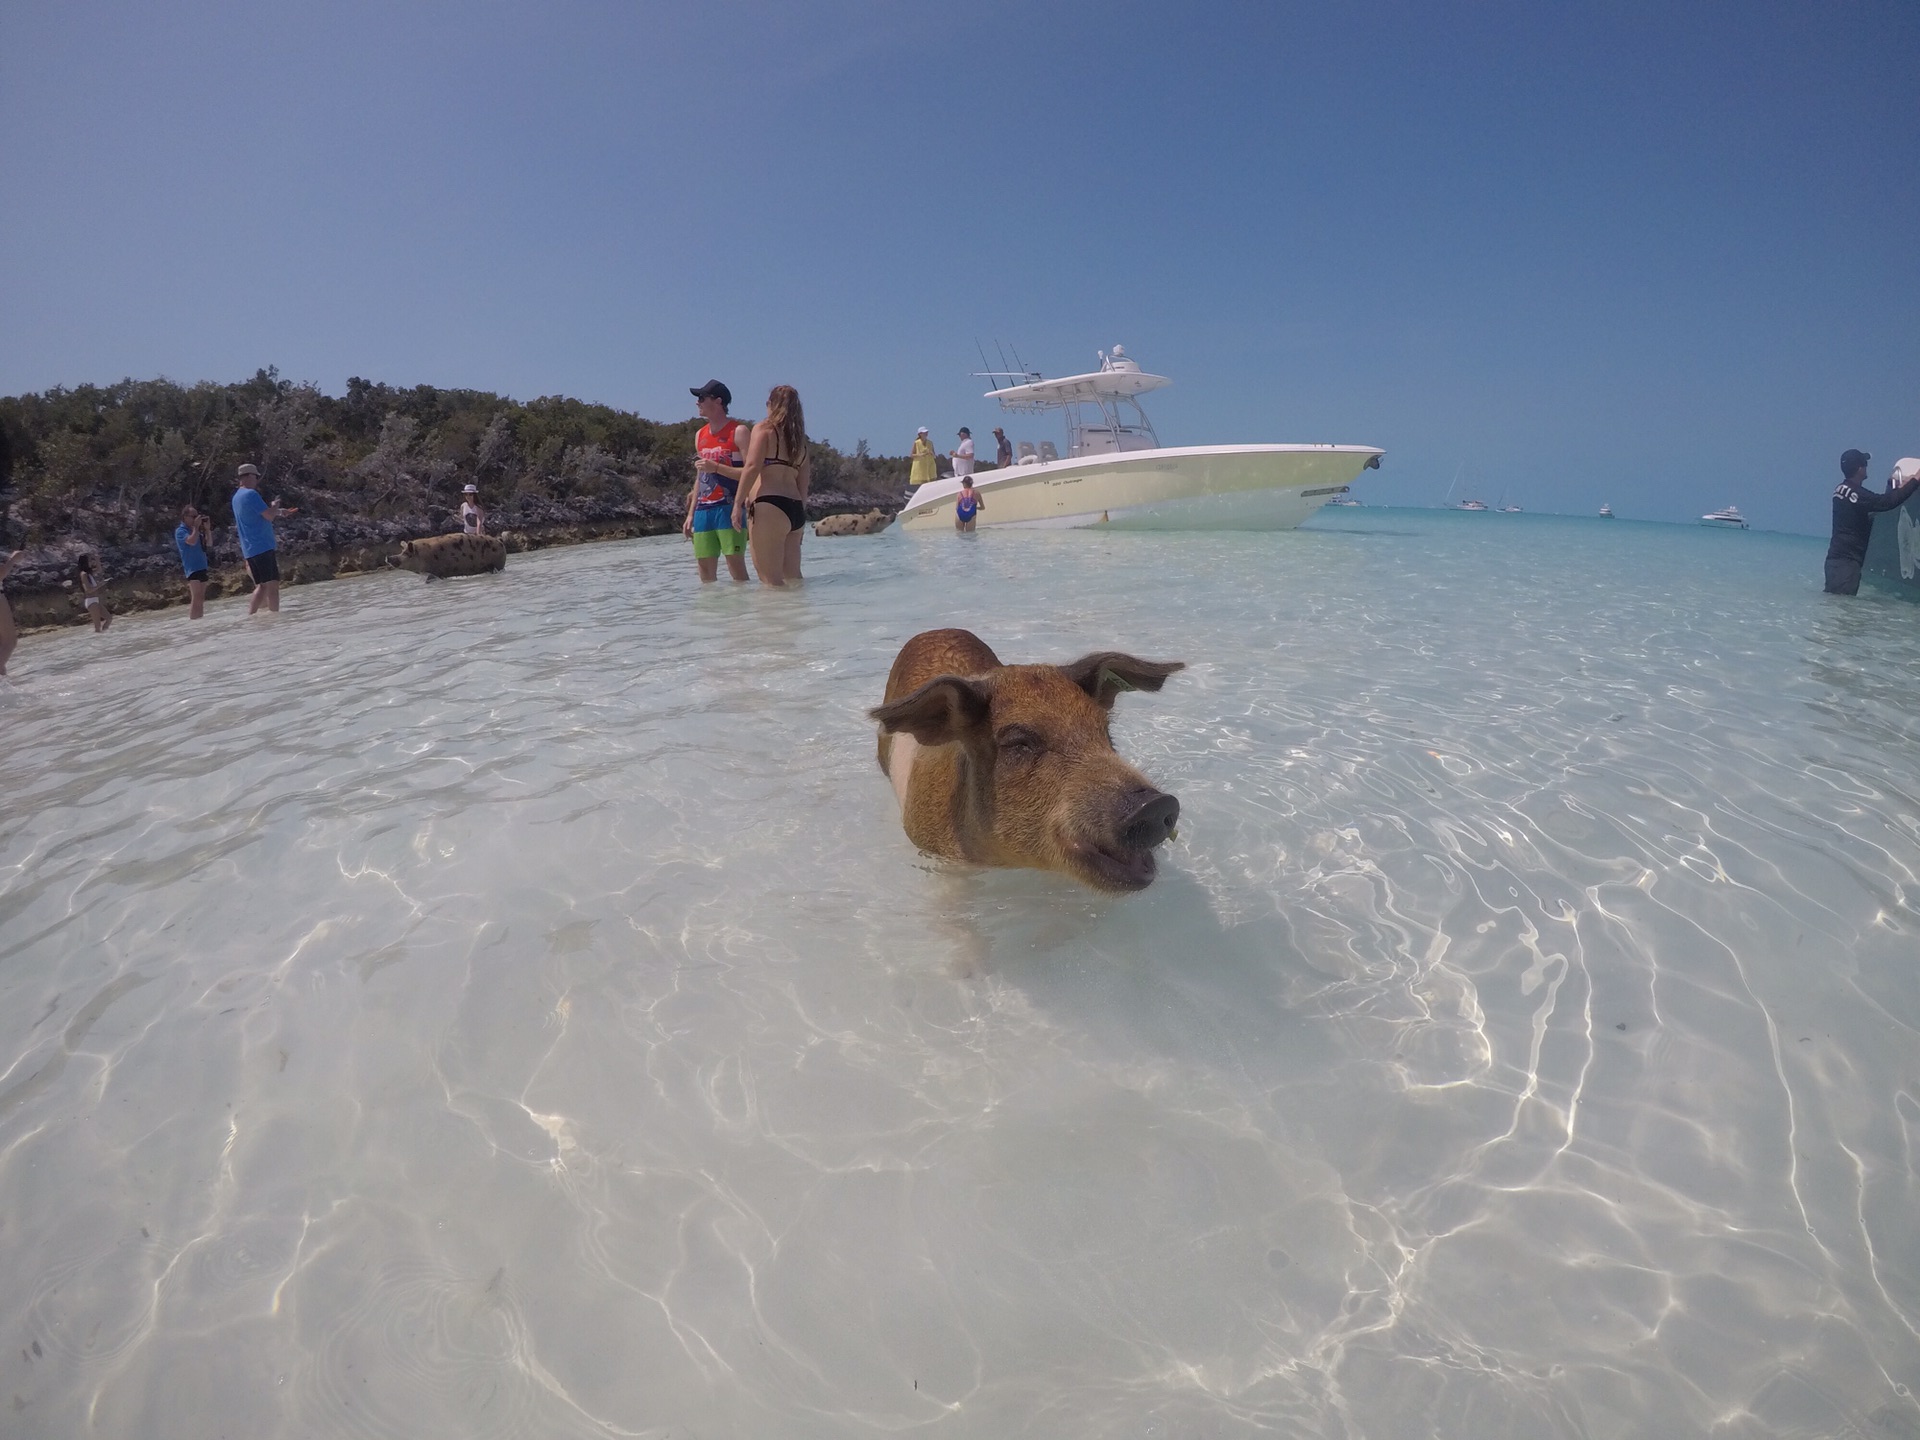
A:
871, 523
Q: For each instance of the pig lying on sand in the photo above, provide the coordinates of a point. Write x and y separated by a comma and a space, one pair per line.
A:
444, 555
1013, 765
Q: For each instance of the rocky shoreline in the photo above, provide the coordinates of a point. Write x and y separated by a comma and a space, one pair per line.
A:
148, 576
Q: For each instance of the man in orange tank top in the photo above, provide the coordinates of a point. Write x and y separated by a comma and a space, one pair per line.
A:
717, 465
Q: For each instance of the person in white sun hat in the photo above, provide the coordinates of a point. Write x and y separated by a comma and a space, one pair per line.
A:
473, 515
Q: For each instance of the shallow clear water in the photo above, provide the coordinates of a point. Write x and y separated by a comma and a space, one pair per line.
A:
510, 1006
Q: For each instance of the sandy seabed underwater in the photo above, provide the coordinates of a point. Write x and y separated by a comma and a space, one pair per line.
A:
509, 1007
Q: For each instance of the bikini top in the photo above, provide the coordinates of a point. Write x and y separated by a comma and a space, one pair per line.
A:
781, 460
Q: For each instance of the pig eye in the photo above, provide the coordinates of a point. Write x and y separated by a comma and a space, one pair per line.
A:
1019, 740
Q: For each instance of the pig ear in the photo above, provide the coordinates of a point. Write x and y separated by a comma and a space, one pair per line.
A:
943, 710
1106, 673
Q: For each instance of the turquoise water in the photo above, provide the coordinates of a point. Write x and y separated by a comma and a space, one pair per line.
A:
510, 1006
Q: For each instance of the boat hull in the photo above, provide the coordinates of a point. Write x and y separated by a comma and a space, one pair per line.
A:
1207, 487
1893, 552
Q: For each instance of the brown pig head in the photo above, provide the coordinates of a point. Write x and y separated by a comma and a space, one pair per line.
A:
1019, 769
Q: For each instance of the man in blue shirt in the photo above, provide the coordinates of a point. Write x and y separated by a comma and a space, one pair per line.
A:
190, 539
253, 517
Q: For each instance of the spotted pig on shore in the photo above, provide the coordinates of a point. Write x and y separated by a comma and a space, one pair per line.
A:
441, 556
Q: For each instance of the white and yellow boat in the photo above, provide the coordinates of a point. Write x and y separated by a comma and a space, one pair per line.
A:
1116, 473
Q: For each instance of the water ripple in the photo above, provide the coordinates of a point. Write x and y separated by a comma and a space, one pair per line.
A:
509, 1007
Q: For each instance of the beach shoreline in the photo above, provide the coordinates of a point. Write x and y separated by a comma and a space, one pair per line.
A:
149, 577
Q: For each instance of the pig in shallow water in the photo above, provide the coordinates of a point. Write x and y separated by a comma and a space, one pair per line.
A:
1013, 764
442, 555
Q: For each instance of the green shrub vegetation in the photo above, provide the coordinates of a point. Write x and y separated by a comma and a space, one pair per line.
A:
114, 463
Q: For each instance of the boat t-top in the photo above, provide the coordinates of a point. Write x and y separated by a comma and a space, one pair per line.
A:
1116, 472
1727, 519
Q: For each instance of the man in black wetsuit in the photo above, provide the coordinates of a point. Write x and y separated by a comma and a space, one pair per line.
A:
1853, 510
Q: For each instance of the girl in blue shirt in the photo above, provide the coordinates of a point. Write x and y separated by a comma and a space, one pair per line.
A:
190, 539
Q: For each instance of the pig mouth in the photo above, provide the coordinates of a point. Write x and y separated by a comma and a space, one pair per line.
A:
1114, 867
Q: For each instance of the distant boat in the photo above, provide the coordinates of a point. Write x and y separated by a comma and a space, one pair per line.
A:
1343, 500
1511, 510
1727, 519
1473, 504
1606, 512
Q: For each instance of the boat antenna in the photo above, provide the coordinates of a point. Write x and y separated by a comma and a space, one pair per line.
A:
1017, 360
985, 364
1456, 481
1010, 369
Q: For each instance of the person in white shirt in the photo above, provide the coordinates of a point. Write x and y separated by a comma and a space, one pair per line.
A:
962, 454
473, 516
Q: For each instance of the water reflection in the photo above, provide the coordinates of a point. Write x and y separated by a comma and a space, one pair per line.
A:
512, 1007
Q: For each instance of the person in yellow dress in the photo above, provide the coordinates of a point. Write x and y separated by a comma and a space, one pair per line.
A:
924, 465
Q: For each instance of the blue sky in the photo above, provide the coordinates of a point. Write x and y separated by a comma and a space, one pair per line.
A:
1664, 256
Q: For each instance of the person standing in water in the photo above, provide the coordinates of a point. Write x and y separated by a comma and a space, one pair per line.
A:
190, 539
774, 484
253, 517
9, 633
925, 467
1854, 507
473, 515
966, 506
91, 599
718, 465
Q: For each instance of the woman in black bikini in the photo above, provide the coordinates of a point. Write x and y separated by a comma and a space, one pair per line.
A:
773, 489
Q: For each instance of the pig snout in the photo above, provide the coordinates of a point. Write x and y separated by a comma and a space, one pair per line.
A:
1118, 855
1150, 822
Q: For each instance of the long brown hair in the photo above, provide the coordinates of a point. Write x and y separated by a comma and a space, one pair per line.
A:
789, 423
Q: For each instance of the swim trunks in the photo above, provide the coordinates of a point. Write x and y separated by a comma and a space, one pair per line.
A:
200, 575
264, 567
713, 532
